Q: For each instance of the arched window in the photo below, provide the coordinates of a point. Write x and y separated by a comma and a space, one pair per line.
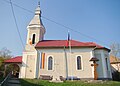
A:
50, 63
79, 66
106, 63
33, 39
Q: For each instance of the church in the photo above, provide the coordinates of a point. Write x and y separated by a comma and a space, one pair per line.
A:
61, 59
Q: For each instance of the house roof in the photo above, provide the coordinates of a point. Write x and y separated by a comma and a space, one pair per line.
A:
17, 59
62, 43
114, 60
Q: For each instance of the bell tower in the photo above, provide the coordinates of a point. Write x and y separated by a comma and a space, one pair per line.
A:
36, 30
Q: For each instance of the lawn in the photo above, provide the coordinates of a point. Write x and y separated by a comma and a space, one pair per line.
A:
36, 82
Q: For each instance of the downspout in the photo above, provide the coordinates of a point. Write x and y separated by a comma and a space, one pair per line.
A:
66, 64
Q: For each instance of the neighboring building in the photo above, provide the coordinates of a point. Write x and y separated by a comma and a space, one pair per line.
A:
115, 64
52, 59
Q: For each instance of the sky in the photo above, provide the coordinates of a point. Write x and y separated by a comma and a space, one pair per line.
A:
94, 20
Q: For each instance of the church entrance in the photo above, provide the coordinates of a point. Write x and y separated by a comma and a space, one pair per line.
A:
15, 71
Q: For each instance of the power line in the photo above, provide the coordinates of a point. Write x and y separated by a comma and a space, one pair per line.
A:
87, 36
16, 24
73, 30
19, 6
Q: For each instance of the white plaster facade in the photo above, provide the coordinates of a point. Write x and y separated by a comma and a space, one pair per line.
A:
87, 71
59, 63
104, 69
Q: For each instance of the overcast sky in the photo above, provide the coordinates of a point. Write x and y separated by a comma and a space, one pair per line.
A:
98, 20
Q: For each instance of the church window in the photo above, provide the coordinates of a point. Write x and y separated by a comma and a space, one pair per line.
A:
106, 63
50, 63
33, 39
106, 60
79, 63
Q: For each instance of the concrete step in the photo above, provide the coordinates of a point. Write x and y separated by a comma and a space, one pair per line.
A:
13, 82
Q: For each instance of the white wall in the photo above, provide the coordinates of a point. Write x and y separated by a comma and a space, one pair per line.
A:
102, 70
59, 68
28, 69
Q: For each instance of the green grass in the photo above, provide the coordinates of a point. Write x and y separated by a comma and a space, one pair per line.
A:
36, 82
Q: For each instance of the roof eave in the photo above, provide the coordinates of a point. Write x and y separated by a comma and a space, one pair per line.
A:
114, 62
12, 62
64, 47
104, 49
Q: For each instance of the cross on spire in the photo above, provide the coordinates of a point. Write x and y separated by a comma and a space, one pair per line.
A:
39, 3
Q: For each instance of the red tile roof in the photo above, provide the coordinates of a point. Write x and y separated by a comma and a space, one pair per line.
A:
62, 43
17, 59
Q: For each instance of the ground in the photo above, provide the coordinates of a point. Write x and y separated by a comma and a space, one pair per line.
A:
35, 82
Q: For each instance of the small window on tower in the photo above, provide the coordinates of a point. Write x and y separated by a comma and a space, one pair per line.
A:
33, 39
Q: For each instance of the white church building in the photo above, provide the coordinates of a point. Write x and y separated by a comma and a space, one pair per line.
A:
53, 59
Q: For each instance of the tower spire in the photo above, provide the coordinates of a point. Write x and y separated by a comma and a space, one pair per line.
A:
37, 10
36, 28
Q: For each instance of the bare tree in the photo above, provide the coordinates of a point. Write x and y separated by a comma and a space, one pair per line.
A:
115, 52
115, 49
5, 53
